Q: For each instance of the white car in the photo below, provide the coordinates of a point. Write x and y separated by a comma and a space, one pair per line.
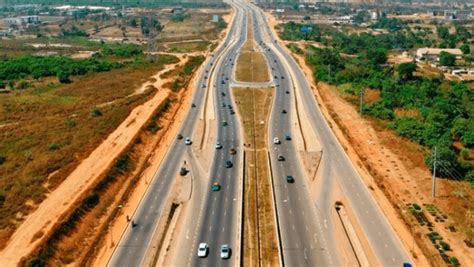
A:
218, 145
188, 141
225, 251
202, 250
276, 141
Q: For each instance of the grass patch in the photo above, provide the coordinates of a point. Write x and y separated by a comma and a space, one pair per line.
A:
186, 47
259, 228
50, 130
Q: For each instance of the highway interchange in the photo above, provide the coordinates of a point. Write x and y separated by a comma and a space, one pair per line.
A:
304, 221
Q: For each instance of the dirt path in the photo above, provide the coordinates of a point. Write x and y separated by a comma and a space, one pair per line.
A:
41, 221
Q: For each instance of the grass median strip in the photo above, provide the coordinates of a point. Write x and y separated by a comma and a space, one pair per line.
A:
260, 240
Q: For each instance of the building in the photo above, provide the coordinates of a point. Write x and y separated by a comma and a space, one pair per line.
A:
21, 20
432, 54
215, 18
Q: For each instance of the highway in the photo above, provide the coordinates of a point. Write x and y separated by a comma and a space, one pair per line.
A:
134, 244
336, 169
303, 240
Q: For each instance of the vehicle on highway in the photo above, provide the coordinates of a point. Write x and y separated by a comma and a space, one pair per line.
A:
203, 86
283, 77
228, 164
222, 93
232, 112
183, 171
193, 105
202, 250
179, 136
281, 158
218, 145
216, 186
283, 111
223, 105
288, 137
224, 123
276, 77
287, 92
232, 151
225, 251
222, 82
229, 106
188, 141
290, 179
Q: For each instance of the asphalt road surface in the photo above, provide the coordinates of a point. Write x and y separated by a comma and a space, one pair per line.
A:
135, 242
336, 168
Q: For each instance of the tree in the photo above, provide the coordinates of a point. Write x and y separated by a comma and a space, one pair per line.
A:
405, 70
447, 59
63, 77
378, 56
465, 49
133, 23
442, 32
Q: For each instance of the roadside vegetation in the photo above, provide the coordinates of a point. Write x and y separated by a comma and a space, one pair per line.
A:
47, 126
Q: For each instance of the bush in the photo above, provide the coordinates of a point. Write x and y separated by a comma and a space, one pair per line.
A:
453, 261
70, 123
96, 112
53, 146
2, 159
63, 77
445, 246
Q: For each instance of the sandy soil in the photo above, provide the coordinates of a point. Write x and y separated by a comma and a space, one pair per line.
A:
42, 220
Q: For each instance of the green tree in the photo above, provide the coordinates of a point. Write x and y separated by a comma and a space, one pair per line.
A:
63, 77
447, 59
405, 70
442, 32
378, 56
465, 49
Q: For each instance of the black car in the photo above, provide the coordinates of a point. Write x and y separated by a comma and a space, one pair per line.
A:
290, 179
281, 158
228, 164
179, 136
287, 137
283, 111
232, 112
183, 171
287, 92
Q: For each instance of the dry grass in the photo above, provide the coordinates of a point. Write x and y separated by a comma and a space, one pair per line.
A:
51, 128
251, 64
260, 243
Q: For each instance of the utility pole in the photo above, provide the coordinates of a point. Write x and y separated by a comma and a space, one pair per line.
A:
433, 187
361, 100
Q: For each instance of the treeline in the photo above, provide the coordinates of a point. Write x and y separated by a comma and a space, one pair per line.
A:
440, 112
36, 67
432, 112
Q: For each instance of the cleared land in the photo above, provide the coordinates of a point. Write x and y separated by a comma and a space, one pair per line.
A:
48, 129
251, 64
260, 242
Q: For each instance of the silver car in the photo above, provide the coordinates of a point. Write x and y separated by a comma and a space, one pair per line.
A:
225, 251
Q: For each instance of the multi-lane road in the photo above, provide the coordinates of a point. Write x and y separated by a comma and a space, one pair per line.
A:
304, 220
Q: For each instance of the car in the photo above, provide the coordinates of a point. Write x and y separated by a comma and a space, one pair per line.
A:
290, 179
283, 111
275, 60
225, 251
223, 105
179, 136
276, 77
188, 141
226, 78
232, 112
205, 77
183, 171
232, 151
222, 82
224, 123
216, 186
229, 106
283, 77
288, 137
193, 105
218, 145
222, 93
287, 92
228, 164
203, 86
276, 141
203, 250
281, 158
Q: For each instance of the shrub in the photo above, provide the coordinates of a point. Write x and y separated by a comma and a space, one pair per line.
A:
70, 123
53, 146
2, 159
453, 261
96, 112
445, 246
